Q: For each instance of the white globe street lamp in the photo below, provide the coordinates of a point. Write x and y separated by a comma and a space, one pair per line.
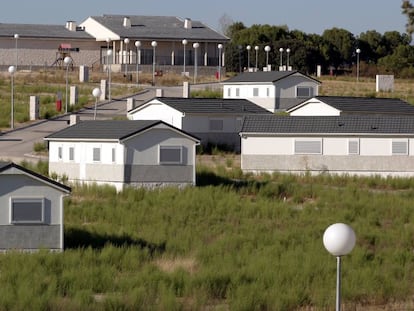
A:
96, 92
108, 40
287, 62
138, 46
220, 47
184, 42
267, 50
16, 38
281, 59
154, 45
196, 45
339, 240
109, 55
67, 60
256, 48
126, 41
248, 48
12, 70
358, 51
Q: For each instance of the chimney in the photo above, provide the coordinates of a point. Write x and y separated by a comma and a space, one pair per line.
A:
71, 25
187, 23
127, 22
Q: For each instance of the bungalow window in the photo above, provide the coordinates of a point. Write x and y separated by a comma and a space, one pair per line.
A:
113, 155
216, 125
303, 91
96, 157
353, 146
308, 146
60, 153
71, 153
267, 92
229, 92
170, 155
399, 147
237, 92
255, 92
27, 210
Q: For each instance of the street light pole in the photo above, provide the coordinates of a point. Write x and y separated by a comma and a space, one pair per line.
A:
256, 48
96, 92
67, 60
138, 46
267, 50
108, 40
220, 47
248, 48
339, 240
281, 59
16, 38
154, 45
126, 41
287, 62
358, 51
184, 42
195, 46
12, 70
109, 54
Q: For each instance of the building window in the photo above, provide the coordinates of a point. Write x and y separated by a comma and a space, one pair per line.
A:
255, 92
27, 210
268, 92
399, 147
60, 153
216, 125
96, 154
237, 92
71, 153
229, 92
308, 146
113, 155
303, 91
170, 155
353, 146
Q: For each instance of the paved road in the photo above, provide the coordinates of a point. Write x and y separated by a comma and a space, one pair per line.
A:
17, 145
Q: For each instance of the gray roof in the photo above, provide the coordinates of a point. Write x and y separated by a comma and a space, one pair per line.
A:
7, 165
41, 31
264, 76
366, 104
108, 130
328, 125
159, 27
213, 105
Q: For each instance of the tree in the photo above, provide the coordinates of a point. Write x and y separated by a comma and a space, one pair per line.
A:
408, 10
340, 42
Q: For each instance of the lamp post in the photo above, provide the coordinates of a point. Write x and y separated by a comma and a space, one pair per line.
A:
267, 50
195, 46
256, 48
108, 40
184, 42
281, 59
67, 60
248, 48
12, 70
109, 55
339, 240
287, 61
126, 41
96, 92
138, 46
358, 51
154, 45
220, 47
16, 38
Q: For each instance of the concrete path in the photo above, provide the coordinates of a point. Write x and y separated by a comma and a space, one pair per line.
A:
17, 145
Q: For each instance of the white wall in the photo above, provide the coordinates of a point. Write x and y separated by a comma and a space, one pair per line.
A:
316, 109
155, 110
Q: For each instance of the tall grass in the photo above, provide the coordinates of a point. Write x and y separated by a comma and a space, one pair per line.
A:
245, 243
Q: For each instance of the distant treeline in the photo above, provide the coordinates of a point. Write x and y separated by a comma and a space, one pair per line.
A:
335, 50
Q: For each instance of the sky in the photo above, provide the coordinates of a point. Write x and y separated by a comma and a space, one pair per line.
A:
309, 16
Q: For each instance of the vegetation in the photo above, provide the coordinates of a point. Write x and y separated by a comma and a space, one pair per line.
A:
234, 242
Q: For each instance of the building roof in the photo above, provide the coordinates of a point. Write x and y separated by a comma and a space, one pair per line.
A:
159, 27
4, 166
41, 31
363, 104
265, 77
328, 125
210, 105
109, 130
